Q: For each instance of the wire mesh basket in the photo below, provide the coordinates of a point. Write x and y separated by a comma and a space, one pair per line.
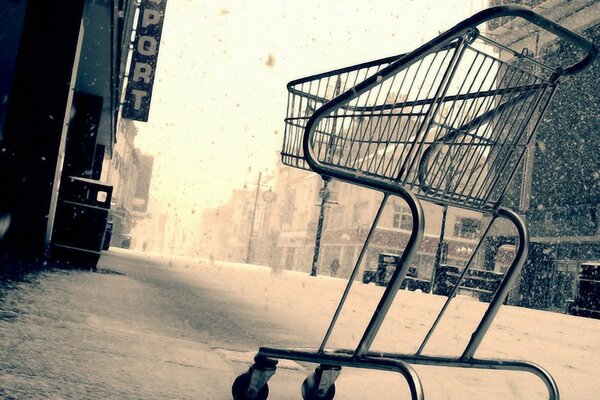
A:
451, 125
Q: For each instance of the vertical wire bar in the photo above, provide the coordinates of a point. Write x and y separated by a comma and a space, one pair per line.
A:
399, 274
363, 251
342, 136
448, 112
437, 102
489, 128
476, 155
470, 139
395, 134
407, 131
380, 131
534, 128
522, 129
285, 146
350, 129
467, 160
488, 131
514, 142
445, 157
323, 130
297, 138
407, 142
350, 135
417, 128
405, 126
381, 128
366, 128
431, 110
526, 110
393, 129
333, 138
499, 120
372, 128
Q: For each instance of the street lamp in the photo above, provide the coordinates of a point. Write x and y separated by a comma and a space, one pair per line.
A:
324, 194
441, 252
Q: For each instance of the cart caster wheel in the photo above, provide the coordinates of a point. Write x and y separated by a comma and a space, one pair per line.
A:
311, 392
239, 390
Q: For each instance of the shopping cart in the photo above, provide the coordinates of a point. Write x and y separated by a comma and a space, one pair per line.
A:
447, 123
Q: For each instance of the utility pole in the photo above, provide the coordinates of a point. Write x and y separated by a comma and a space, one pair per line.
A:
249, 251
324, 193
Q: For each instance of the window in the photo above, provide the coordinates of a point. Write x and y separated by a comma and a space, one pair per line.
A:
397, 219
467, 228
406, 222
402, 220
287, 213
356, 213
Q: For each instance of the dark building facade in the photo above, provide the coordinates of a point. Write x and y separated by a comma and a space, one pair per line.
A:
559, 187
62, 72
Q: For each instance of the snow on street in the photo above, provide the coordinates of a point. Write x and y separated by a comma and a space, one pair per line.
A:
159, 328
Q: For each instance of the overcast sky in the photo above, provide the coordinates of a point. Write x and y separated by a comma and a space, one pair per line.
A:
220, 90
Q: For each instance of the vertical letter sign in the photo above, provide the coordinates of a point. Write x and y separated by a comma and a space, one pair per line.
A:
143, 60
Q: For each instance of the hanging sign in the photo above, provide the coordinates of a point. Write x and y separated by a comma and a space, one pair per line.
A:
143, 61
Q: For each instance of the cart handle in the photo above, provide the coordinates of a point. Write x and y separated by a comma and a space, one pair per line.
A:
536, 19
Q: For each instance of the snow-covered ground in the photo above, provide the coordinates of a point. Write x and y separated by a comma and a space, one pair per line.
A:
179, 328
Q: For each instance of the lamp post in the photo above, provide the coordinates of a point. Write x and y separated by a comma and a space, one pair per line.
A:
324, 194
442, 250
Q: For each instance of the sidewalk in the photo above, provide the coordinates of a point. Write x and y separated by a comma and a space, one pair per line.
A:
109, 335
70, 335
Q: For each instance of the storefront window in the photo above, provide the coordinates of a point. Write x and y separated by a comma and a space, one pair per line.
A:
12, 14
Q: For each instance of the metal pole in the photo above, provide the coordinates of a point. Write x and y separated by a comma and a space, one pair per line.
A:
249, 252
509, 278
361, 255
399, 273
438, 253
324, 193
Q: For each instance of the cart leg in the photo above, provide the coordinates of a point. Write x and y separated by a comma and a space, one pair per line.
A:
361, 255
320, 384
511, 275
399, 274
252, 385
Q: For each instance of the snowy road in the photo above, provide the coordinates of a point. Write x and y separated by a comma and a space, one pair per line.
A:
154, 329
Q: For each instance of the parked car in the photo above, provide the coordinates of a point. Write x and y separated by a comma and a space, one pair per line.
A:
386, 265
587, 300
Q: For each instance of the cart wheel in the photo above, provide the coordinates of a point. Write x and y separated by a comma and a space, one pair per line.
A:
239, 390
310, 392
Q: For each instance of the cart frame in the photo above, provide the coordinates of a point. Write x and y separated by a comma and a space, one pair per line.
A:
413, 179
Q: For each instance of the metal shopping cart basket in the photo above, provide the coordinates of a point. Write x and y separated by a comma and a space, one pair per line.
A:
447, 123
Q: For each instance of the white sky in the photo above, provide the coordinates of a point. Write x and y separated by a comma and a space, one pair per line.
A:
217, 109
